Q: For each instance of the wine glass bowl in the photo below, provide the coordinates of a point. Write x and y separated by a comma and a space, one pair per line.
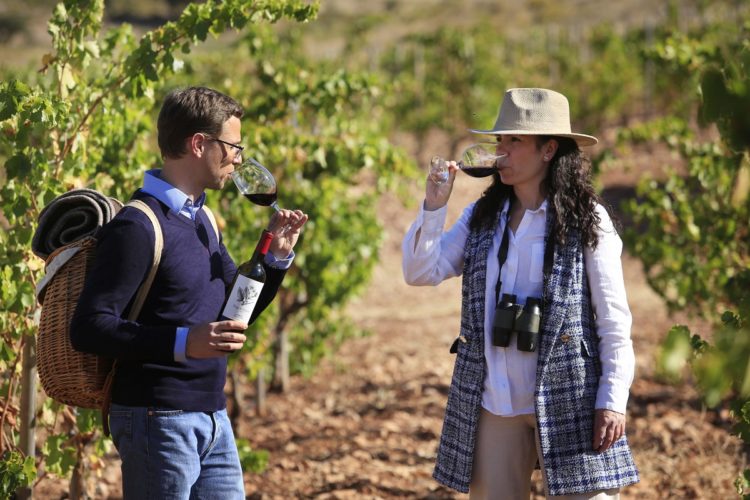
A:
480, 155
256, 183
477, 160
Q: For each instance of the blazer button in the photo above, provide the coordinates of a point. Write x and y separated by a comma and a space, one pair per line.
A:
565, 338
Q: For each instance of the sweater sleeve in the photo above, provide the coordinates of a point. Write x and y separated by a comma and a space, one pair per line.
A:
123, 257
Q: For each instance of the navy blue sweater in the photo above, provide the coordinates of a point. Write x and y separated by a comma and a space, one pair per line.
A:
189, 289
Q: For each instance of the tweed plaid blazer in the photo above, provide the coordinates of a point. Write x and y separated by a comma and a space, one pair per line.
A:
567, 377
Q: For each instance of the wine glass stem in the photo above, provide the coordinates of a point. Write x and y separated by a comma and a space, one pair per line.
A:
286, 227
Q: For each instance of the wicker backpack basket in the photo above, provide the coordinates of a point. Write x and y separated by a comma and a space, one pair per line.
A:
68, 376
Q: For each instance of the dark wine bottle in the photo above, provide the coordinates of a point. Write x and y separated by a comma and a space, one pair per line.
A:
247, 284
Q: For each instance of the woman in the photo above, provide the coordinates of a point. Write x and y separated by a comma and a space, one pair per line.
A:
539, 231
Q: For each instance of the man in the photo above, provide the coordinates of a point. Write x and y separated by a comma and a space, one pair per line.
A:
168, 415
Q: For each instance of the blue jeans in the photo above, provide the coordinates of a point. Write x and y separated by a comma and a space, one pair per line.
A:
176, 454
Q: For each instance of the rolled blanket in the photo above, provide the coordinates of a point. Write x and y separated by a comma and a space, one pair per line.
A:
70, 217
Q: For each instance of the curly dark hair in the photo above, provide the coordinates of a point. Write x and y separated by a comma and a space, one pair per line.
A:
567, 187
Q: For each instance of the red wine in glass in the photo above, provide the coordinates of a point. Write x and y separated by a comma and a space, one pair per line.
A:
256, 183
477, 160
263, 199
478, 171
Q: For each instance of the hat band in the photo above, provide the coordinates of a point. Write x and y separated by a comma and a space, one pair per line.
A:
533, 126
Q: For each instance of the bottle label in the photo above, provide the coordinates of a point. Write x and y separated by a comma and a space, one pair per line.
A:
242, 299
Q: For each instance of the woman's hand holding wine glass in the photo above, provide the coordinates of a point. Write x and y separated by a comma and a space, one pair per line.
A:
439, 183
477, 160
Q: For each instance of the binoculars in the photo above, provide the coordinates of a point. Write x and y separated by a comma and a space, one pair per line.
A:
524, 320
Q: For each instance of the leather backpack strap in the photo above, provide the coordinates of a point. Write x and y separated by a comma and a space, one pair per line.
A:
212, 220
140, 298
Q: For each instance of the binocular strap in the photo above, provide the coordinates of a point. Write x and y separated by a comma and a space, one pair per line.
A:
502, 255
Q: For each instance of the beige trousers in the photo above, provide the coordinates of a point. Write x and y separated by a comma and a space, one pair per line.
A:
504, 458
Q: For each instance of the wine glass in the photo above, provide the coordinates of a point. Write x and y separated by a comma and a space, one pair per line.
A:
256, 183
477, 160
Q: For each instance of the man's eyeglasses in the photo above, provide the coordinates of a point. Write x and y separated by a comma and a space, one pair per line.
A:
237, 149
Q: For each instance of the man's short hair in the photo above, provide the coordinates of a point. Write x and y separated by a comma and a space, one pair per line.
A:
189, 111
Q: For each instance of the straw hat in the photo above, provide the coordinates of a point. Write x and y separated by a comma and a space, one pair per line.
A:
535, 112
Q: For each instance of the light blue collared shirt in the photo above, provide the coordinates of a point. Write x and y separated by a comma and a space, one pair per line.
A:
180, 203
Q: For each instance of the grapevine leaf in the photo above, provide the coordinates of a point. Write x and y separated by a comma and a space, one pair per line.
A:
18, 167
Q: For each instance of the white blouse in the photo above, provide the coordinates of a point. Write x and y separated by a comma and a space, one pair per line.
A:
511, 374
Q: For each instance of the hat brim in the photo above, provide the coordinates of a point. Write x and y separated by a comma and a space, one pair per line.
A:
581, 139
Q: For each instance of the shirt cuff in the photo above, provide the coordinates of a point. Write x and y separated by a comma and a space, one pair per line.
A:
611, 397
272, 261
180, 344
433, 220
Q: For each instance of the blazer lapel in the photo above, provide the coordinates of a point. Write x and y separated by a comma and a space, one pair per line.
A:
558, 284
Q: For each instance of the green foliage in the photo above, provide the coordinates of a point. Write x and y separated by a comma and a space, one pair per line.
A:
443, 79
59, 455
453, 79
16, 471
693, 228
691, 237
606, 87
726, 96
742, 484
721, 369
315, 340
676, 351
255, 461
